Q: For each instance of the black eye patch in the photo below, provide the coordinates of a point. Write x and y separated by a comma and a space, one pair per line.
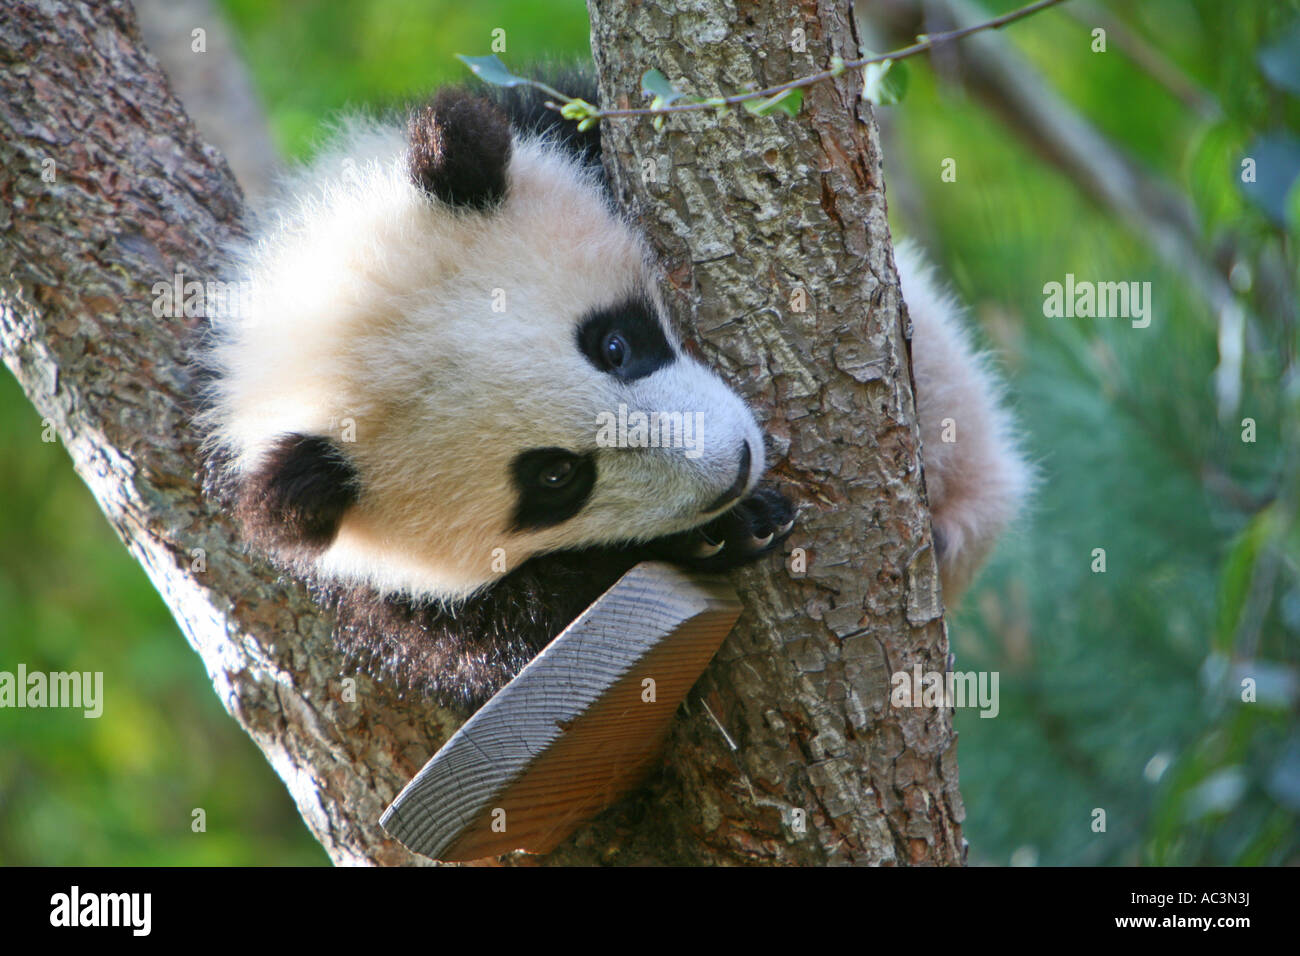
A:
552, 485
625, 340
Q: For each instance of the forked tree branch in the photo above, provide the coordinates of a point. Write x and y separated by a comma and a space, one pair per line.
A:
109, 190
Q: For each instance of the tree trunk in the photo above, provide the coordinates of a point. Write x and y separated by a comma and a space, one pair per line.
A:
135, 197
751, 214
108, 190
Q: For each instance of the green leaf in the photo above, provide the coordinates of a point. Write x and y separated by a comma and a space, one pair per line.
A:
578, 109
1280, 60
654, 83
1213, 171
1293, 209
491, 70
1277, 167
1237, 574
884, 84
787, 101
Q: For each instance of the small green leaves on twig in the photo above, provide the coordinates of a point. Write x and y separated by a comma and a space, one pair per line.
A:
578, 109
787, 101
884, 84
884, 81
654, 83
491, 70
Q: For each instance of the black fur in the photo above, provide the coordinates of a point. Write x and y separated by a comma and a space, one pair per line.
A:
763, 513
634, 321
460, 149
462, 656
542, 504
294, 501
528, 112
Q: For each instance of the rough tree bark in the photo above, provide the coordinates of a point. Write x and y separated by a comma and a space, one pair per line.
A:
108, 190
749, 214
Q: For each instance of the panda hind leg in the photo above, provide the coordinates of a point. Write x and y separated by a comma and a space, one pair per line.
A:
976, 476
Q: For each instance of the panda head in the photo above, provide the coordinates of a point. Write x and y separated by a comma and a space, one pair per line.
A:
453, 358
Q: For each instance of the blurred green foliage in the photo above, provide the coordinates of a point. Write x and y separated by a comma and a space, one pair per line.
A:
1122, 690
120, 788
1119, 690
310, 59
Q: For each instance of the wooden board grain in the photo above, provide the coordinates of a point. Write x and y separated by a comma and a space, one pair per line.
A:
575, 729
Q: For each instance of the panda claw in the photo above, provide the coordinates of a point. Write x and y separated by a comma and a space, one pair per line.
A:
785, 528
707, 549
758, 544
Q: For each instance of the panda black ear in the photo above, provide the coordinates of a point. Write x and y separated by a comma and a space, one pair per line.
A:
296, 498
460, 148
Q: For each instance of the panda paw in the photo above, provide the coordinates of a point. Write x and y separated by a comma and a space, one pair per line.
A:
756, 526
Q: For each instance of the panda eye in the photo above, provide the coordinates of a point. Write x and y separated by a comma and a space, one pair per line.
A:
558, 474
552, 485
615, 350
627, 340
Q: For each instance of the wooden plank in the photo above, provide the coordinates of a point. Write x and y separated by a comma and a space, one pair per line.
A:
572, 732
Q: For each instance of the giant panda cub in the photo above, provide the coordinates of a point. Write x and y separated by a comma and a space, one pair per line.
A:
442, 312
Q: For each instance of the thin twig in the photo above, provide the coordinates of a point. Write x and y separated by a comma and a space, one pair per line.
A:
1147, 57
922, 45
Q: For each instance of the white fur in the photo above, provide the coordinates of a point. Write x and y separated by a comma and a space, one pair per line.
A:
374, 303
373, 308
977, 480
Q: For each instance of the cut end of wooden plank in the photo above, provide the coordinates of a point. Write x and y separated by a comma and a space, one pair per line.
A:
577, 727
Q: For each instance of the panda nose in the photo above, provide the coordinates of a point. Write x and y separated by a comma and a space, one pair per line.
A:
739, 485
